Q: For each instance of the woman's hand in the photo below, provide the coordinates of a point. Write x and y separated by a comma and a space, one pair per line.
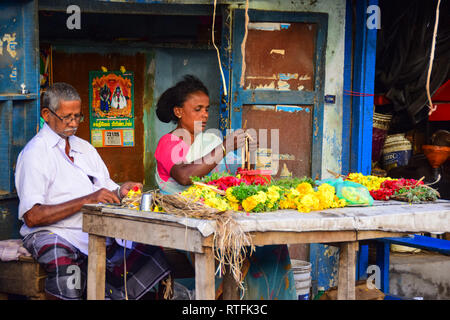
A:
235, 140
252, 140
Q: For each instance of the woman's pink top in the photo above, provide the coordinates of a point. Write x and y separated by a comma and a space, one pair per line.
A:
170, 150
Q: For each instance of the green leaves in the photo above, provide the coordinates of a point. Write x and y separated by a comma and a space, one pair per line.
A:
416, 194
243, 191
292, 182
211, 177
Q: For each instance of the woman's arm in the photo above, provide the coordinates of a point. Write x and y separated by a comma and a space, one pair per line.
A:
183, 172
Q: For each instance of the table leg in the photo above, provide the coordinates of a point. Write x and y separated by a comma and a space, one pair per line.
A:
96, 268
230, 286
204, 275
347, 271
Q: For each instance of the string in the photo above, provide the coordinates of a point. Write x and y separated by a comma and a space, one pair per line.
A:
125, 268
225, 92
433, 45
243, 44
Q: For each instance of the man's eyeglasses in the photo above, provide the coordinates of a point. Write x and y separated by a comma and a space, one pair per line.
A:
68, 119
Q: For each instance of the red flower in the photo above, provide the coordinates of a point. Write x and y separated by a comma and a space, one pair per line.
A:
226, 182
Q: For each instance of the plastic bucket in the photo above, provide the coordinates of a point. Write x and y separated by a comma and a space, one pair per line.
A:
381, 124
397, 151
302, 278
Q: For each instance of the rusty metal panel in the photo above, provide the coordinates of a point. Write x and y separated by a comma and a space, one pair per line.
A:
124, 164
294, 125
280, 56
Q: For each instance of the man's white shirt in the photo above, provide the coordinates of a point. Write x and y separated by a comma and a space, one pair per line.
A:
45, 175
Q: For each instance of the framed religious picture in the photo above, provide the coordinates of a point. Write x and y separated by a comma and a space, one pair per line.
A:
111, 108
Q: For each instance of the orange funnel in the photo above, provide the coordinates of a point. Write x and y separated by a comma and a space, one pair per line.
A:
436, 155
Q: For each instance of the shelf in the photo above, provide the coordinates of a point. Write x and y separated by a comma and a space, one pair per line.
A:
14, 96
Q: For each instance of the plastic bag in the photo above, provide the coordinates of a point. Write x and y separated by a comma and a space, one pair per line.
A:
353, 193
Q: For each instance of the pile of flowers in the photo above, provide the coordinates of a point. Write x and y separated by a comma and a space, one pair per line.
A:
370, 182
390, 187
198, 193
383, 188
262, 196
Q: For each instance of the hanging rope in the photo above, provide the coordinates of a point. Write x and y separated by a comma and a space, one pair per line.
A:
430, 67
243, 44
225, 92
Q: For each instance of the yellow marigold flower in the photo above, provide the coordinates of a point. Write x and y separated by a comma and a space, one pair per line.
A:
304, 188
273, 194
249, 204
287, 204
292, 194
217, 203
325, 187
234, 206
261, 197
307, 200
230, 195
301, 208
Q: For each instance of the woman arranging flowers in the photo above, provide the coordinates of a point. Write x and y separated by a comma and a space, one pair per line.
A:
187, 151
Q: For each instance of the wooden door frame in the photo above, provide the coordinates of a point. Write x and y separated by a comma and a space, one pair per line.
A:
239, 97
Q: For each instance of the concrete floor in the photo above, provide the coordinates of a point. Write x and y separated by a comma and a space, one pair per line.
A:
425, 274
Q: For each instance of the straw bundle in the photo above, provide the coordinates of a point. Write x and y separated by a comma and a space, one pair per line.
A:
133, 201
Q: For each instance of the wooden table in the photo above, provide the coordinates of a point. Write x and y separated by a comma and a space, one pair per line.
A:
343, 227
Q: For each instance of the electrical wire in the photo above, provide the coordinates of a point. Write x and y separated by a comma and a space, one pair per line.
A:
244, 41
225, 91
433, 45
125, 268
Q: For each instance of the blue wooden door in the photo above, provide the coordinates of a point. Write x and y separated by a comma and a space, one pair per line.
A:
282, 73
19, 84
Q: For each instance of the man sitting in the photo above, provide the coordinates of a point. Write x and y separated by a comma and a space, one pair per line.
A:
56, 174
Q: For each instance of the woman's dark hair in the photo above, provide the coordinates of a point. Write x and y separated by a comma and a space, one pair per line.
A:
176, 96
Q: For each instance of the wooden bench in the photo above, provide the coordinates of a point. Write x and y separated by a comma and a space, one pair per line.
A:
383, 252
26, 277
23, 277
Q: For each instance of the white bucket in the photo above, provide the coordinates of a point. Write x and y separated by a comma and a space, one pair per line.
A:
302, 278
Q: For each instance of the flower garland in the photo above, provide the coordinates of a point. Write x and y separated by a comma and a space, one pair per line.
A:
265, 197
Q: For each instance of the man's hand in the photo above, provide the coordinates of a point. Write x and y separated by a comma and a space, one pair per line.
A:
42, 215
104, 196
127, 186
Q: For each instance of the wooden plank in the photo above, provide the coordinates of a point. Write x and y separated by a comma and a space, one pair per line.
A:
287, 123
280, 237
96, 268
171, 236
22, 277
204, 275
347, 271
365, 235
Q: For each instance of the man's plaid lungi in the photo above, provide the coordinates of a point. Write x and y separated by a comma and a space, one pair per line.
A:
66, 267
